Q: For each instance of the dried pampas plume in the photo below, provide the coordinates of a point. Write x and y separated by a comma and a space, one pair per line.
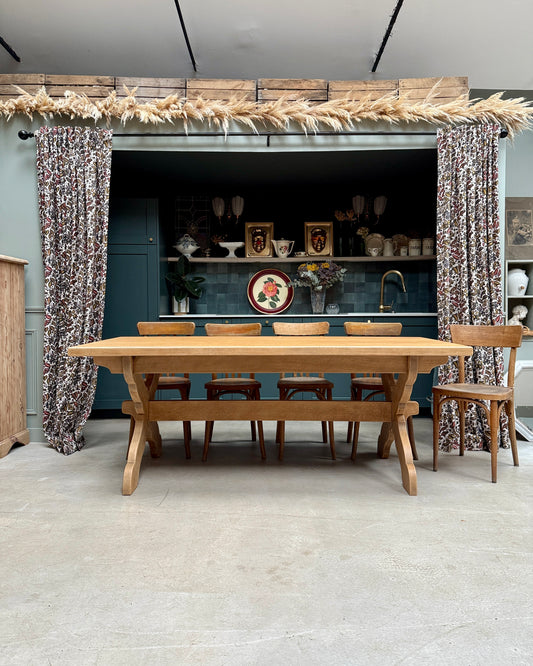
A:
336, 115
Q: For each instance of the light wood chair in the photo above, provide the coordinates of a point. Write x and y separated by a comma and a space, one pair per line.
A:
372, 382
290, 384
497, 397
170, 382
233, 383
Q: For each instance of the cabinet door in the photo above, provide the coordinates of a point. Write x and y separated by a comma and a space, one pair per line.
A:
132, 285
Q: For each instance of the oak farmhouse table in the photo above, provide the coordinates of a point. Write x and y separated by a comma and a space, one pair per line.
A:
397, 359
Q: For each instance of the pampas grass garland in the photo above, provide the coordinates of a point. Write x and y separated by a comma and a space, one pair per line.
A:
336, 115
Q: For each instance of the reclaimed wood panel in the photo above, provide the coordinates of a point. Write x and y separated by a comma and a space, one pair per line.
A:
29, 82
222, 89
449, 88
12, 355
358, 90
150, 88
314, 90
95, 87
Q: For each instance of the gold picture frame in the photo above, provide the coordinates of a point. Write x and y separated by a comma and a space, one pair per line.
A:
319, 239
258, 238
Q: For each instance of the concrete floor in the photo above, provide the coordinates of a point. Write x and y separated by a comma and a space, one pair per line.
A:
239, 562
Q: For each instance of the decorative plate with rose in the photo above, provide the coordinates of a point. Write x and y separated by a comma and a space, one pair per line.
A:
270, 291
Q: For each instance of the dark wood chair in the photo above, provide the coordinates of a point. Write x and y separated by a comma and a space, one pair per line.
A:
170, 381
372, 382
492, 399
291, 384
234, 383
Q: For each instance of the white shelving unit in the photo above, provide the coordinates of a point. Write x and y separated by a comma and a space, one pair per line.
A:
527, 298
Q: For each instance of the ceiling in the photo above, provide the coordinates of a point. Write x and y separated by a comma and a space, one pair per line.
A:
486, 40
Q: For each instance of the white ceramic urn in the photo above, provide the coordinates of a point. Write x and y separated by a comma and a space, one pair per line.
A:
517, 281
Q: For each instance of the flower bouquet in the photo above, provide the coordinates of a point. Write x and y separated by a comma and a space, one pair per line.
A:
318, 275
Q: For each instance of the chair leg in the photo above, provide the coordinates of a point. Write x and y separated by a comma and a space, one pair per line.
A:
332, 440
509, 408
207, 439
411, 432
253, 431
462, 407
349, 432
261, 440
355, 439
187, 438
494, 426
324, 432
281, 442
436, 424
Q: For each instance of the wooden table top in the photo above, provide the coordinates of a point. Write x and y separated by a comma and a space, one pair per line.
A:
268, 346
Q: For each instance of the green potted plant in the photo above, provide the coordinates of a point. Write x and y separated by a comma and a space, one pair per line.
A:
182, 287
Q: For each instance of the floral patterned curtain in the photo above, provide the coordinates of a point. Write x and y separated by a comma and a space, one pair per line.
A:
469, 280
73, 169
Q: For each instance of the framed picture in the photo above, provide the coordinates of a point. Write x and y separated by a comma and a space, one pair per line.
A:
319, 239
519, 228
258, 242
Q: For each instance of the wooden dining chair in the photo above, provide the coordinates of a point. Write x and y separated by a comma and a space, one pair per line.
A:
170, 381
291, 384
234, 383
492, 399
371, 382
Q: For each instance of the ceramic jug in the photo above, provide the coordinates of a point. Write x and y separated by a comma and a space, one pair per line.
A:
517, 282
186, 245
283, 247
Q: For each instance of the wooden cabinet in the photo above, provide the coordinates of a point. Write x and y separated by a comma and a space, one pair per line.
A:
12, 355
132, 285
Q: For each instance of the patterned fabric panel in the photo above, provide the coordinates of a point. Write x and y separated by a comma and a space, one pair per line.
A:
469, 280
73, 170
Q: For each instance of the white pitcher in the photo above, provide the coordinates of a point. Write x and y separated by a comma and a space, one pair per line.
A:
283, 247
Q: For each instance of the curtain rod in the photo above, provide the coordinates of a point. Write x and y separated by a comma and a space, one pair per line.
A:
24, 135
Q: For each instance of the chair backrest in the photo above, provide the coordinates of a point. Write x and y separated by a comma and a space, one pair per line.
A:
488, 336
372, 328
253, 328
233, 329
166, 327
309, 328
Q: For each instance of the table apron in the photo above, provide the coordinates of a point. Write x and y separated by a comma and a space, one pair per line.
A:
273, 364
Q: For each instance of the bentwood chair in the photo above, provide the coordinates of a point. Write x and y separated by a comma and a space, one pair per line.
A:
233, 383
492, 399
372, 382
170, 382
291, 384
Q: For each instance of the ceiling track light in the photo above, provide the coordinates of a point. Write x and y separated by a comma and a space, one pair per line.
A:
387, 35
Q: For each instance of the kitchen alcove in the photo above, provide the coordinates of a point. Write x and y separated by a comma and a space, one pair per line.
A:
155, 194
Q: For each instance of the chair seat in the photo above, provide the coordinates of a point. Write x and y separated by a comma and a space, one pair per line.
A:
169, 382
480, 391
368, 383
303, 382
240, 383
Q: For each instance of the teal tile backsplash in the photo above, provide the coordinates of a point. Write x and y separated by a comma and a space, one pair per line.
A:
226, 287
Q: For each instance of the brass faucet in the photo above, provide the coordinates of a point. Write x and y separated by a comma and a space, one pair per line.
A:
382, 307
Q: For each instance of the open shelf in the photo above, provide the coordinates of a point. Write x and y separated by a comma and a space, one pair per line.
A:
277, 260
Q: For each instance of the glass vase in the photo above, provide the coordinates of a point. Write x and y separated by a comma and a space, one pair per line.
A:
318, 298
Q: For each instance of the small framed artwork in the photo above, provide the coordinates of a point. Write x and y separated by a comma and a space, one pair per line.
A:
319, 239
258, 241
519, 228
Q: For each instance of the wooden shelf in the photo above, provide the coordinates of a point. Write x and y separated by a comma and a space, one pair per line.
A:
277, 260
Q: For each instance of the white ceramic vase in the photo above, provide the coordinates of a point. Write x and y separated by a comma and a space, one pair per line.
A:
517, 282
180, 307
